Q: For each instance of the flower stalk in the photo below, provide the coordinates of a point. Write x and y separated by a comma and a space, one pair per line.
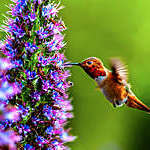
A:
34, 47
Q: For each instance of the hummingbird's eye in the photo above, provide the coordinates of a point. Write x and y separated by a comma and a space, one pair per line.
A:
89, 62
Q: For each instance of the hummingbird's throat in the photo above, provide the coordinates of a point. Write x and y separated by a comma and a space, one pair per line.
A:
99, 73
95, 73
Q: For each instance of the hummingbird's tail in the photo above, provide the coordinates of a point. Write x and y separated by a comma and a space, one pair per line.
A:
135, 103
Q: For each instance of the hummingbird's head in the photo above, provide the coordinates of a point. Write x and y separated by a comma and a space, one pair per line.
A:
92, 66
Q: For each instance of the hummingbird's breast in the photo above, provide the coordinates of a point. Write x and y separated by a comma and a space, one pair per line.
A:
112, 90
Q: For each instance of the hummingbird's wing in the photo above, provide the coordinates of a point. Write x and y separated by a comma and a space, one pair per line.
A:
119, 70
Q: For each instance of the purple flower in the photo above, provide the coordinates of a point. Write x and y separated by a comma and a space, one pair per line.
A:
30, 47
33, 83
5, 64
56, 43
8, 139
28, 147
7, 89
8, 112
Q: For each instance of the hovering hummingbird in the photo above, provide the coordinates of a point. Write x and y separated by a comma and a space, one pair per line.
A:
113, 83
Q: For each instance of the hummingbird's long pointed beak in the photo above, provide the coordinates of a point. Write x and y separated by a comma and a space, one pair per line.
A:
77, 64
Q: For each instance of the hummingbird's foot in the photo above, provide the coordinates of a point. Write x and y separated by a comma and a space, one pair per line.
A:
119, 103
114, 104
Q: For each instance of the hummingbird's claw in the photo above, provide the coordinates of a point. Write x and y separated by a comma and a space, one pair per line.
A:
114, 105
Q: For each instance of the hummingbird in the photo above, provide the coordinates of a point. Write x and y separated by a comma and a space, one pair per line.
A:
113, 83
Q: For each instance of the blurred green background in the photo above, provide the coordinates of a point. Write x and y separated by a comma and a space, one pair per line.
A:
107, 29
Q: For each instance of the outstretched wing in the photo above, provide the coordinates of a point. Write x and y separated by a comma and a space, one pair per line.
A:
119, 70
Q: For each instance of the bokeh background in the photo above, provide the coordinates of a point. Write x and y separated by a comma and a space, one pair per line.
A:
107, 29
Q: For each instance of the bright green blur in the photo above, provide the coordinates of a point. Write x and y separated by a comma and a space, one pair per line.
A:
107, 28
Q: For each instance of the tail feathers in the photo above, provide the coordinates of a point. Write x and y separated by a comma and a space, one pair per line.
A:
135, 103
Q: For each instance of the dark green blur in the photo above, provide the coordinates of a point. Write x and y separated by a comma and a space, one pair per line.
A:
107, 28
